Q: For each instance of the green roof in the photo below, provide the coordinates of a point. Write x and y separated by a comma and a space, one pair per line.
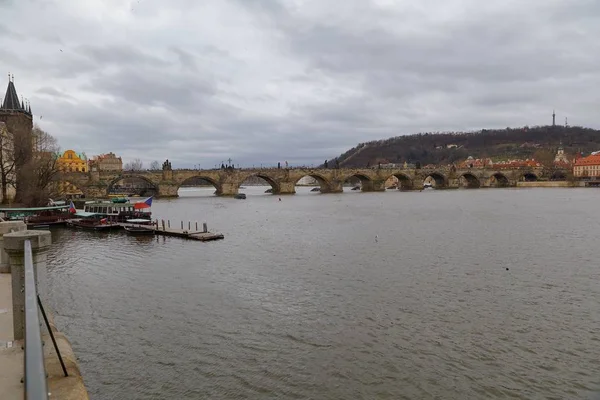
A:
9, 209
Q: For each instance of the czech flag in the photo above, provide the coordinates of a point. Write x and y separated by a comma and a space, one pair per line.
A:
143, 204
72, 208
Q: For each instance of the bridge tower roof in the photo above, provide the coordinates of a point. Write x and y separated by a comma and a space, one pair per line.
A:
11, 99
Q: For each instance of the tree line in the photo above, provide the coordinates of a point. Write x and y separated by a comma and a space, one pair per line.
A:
451, 147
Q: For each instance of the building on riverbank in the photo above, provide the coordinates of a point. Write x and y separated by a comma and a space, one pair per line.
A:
106, 162
70, 161
587, 167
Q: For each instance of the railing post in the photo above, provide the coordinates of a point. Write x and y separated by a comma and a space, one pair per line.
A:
7, 227
14, 245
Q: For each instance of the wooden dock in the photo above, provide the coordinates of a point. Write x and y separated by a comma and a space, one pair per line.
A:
181, 233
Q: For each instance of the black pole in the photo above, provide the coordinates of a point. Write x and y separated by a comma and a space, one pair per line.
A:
62, 363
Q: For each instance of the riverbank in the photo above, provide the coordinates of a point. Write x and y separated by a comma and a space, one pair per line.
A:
551, 184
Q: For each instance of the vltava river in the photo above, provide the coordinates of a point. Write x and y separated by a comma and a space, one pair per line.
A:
342, 296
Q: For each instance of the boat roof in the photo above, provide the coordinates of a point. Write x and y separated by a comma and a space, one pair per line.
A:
86, 214
138, 220
10, 209
108, 204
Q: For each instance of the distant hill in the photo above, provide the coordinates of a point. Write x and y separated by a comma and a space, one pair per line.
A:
449, 147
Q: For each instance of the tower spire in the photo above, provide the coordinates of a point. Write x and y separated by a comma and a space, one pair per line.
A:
11, 99
553, 118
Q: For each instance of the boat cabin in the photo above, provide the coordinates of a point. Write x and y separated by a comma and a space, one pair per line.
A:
119, 212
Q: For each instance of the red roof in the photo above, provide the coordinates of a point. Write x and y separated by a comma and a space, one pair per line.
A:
589, 160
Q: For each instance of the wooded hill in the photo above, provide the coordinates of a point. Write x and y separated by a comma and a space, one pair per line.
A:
450, 147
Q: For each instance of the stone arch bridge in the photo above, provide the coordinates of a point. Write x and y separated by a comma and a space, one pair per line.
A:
166, 182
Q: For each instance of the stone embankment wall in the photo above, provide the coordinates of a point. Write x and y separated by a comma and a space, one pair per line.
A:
12, 238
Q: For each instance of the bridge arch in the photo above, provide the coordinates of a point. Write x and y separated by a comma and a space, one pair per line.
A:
69, 189
404, 181
498, 179
528, 176
469, 180
438, 178
366, 184
151, 188
275, 187
324, 183
200, 177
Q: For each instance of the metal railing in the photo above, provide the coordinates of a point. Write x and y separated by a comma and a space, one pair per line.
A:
36, 387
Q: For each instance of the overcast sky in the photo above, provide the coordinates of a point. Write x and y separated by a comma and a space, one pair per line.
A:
263, 81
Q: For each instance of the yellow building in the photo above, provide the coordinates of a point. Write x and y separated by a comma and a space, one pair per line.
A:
69, 161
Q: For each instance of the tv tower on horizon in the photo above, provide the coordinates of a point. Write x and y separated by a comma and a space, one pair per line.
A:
553, 118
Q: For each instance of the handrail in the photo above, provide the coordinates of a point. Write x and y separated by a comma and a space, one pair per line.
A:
36, 387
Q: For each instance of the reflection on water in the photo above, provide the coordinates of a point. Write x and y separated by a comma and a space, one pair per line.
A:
301, 301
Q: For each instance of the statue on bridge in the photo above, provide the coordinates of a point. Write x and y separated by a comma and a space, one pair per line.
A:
166, 165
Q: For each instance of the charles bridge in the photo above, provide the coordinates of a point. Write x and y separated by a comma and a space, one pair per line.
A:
166, 182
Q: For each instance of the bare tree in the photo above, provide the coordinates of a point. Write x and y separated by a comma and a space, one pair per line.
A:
154, 165
37, 180
135, 165
7, 161
546, 158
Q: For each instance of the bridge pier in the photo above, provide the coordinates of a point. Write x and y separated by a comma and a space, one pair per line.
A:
373, 186
286, 187
333, 187
167, 190
227, 189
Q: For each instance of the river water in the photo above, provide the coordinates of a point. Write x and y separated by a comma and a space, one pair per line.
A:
396, 295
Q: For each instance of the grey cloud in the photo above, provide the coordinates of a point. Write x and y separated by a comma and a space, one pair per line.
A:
151, 89
118, 54
263, 81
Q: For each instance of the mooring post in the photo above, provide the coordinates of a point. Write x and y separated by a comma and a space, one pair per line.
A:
196, 226
189, 225
163, 225
204, 227
169, 223
181, 225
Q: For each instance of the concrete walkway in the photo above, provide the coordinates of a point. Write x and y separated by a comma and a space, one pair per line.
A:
11, 357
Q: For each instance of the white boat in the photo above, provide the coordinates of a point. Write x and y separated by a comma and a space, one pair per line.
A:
427, 185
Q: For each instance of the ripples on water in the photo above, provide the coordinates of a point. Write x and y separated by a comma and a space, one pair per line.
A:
300, 300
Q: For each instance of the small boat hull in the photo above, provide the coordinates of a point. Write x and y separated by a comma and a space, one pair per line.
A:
96, 226
139, 230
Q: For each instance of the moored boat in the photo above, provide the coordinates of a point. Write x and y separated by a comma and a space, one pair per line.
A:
139, 230
92, 222
120, 212
35, 216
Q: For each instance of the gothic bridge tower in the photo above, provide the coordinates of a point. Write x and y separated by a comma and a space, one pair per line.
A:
19, 121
